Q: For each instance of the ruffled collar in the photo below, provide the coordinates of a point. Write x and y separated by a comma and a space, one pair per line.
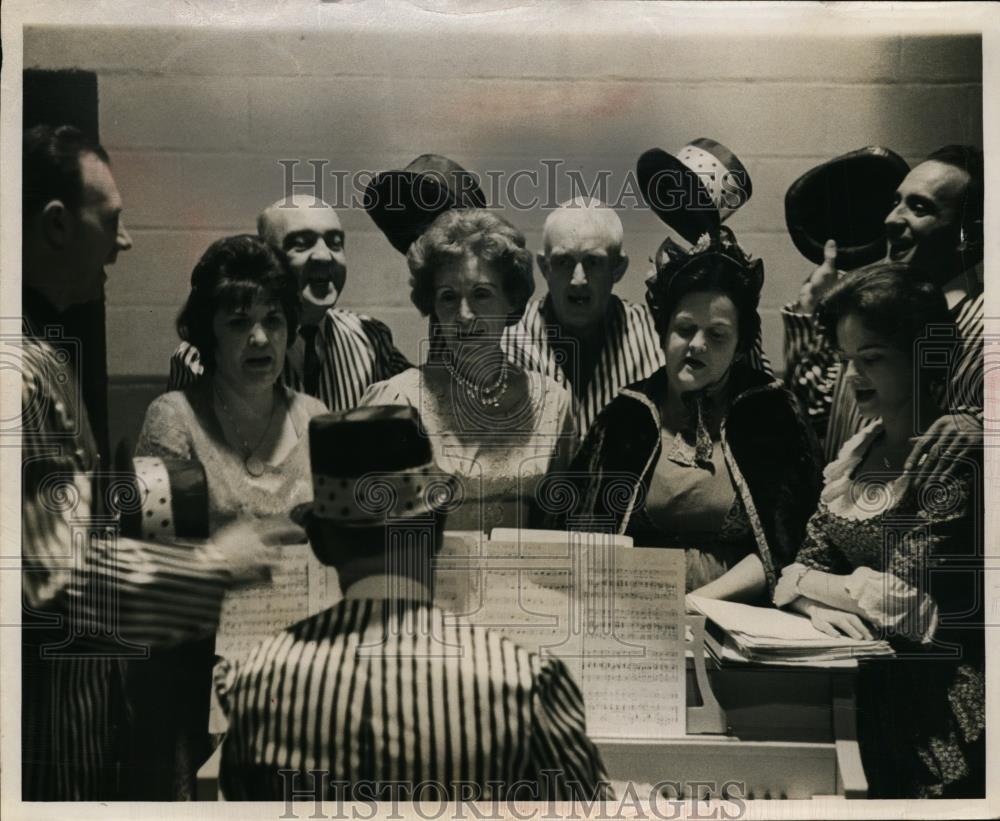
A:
844, 496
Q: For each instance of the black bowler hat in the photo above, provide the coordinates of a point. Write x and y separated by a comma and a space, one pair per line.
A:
845, 199
159, 499
695, 191
403, 204
370, 465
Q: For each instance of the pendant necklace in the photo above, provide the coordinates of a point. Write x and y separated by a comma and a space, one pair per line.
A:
253, 464
488, 396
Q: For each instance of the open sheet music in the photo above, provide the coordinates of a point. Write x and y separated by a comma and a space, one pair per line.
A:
613, 615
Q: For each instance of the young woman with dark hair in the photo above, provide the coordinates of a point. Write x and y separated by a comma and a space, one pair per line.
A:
884, 557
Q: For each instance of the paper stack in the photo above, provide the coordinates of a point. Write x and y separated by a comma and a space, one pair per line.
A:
768, 635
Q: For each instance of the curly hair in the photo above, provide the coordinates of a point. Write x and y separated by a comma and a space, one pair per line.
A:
717, 264
895, 299
232, 273
483, 234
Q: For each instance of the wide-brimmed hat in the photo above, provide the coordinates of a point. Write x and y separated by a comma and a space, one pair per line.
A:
845, 199
403, 204
374, 465
695, 191
159, 499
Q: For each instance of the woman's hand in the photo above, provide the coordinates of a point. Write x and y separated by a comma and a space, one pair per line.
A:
836, 623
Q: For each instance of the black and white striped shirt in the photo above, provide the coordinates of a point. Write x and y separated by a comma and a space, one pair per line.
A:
632, 351
91, 598
353, 351
381, 694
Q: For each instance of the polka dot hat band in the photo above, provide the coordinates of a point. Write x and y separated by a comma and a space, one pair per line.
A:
720, 172
376, 497
170, 500
695, 190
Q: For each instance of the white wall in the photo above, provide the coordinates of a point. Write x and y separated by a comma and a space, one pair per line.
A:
196, 120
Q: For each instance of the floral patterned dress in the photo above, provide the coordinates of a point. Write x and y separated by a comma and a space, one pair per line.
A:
922, 714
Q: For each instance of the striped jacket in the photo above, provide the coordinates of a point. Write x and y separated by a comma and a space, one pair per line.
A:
90, 599
631, 352
381, 698
354, 351
815, 375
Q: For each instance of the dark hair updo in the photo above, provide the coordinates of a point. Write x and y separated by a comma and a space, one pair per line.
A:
896, 300
231, 274
713, 264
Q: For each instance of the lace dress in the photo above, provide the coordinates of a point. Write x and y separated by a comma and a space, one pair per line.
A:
182, 424
922, 716
500, 461
169, 692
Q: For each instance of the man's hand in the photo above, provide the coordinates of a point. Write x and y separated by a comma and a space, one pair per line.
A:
835, 622
249, 550
943, 451
822, 279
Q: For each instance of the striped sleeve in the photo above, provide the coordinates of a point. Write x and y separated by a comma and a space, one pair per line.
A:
966, 384
107, 588
111, 589
389, 360
346, 358
185, 367
800, 334
567, 763
811, 365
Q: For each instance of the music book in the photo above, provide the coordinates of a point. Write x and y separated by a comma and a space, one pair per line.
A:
770, 635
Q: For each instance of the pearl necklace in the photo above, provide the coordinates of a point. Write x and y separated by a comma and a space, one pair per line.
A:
251, 462
488, 396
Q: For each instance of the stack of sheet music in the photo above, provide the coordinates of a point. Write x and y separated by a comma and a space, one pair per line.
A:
771, 636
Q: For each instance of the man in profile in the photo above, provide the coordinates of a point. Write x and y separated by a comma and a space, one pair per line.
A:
90, 598
935, 225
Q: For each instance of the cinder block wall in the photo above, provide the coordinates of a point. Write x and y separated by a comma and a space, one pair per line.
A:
196, 122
